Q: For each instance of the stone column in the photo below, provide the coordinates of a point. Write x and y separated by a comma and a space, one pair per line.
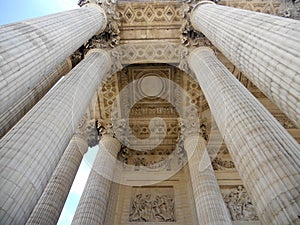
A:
49, 207
31, 150
94, 200
31, 49
10, 117
210, 206
266, 156
264, 47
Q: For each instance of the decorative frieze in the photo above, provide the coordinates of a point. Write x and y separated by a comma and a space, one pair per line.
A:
220, 164
159, 51
145, 13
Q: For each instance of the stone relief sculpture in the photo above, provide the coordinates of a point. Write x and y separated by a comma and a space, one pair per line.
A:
152, 208
219, 164
239, 204
162, 163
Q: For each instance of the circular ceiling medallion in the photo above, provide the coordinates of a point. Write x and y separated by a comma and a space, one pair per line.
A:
152, 86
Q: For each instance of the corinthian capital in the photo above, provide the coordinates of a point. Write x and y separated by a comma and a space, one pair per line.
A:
109, 37
105, 129
189, 36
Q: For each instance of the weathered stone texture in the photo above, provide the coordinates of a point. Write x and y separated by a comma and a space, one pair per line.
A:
49, 207
10, 117
31, 150
94, 199
209, 203
31, 49
265, 154
264, 47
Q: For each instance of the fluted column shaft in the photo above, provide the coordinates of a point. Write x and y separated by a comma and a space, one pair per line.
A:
31, 49
210, 206
10, 117
31, 150
264, 47
94, 200
49, 207
266, 156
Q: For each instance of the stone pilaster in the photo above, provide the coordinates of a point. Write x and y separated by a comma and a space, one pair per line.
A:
264, 47
265, 155
94, 200
31, 150
10, 117
31, 49
49, 207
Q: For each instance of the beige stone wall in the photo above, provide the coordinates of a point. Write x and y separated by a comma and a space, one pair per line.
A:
180, 184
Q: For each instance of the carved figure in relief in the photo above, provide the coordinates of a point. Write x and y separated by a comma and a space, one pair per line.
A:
146, 208
166, 209
219, 164
135, 214
152, 208
239, 205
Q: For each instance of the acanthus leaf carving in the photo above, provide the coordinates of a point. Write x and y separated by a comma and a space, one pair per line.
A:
92, 133
109, 38
77, 56
189, 36
105, 128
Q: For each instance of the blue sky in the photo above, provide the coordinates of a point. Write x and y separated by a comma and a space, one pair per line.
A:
77, 187
18, 10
